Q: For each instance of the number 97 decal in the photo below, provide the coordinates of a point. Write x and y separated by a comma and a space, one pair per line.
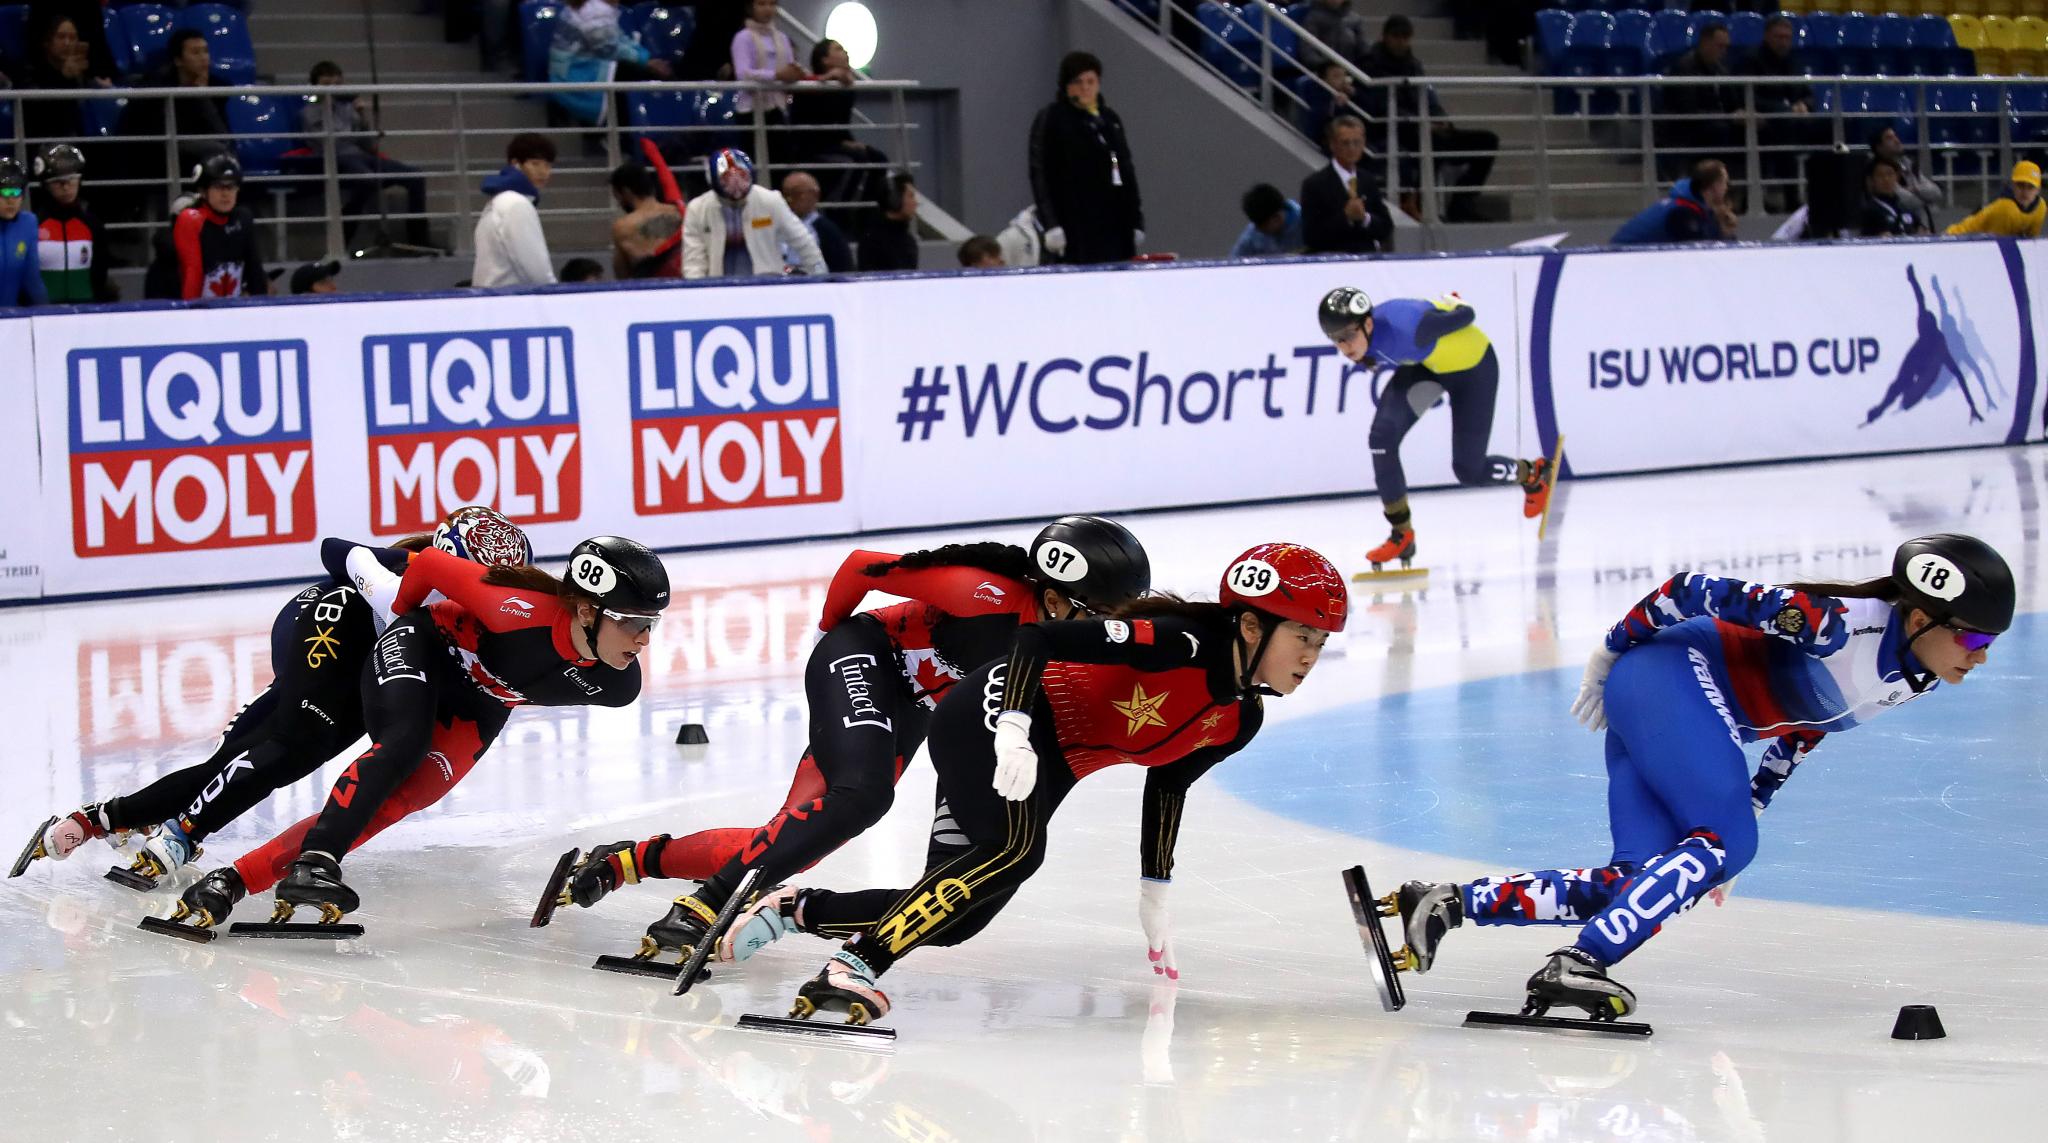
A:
1252, 577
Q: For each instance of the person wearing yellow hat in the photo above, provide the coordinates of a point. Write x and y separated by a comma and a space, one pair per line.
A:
2017, 214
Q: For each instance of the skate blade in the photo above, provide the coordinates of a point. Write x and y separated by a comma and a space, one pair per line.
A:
123, 875
1408, 576
173, 929
1556, 471
853, 1035
33, 848
636, 966
550, 897
286, 930
693, 969
1554, 1023
1365, 910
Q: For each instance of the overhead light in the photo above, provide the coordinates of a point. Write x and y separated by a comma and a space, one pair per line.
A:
854, 27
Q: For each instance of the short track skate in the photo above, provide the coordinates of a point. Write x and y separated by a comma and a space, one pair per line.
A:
1556, 471
1398, 547
550, 895
1368, 911
33, 851
1532, 1016
330, 926
689, 971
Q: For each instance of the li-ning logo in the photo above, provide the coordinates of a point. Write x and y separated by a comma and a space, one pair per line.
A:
1702, 671
447, 768
989, 592
859, 691
514, 605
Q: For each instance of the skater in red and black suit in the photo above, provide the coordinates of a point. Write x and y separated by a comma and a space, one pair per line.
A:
439, 686
215, 239
1170, 685
871, 683
311, 711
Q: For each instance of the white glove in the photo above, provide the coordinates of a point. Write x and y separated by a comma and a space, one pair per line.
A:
1056, 240
1590, 708
1138, 237
1016, 761
1158, 927
377, 584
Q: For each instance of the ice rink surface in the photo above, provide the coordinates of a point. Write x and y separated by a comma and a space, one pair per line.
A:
1905, 863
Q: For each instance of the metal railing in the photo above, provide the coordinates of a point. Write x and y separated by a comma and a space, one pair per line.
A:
301, 193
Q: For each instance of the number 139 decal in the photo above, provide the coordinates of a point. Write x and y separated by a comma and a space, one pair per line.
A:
1252, 577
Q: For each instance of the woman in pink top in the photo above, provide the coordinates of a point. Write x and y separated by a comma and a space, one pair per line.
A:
761, 53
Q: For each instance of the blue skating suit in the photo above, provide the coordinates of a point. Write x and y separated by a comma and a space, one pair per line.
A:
1707, 664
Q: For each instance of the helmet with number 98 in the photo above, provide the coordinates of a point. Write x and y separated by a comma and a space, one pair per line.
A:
1092, 561
623, 575
1288, 581
481, 535
1956, 579
1343, 310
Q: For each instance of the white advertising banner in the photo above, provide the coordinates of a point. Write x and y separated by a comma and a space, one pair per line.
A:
21, 538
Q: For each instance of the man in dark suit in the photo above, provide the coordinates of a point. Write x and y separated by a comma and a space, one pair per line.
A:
1341, 208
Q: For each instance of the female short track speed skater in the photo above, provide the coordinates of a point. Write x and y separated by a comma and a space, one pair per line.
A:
871, 683
311, 711
1699, 667
1436, 351
1170, 685
439, 686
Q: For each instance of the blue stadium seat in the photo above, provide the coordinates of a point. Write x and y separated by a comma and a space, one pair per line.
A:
146, 29
1670, 36
1628, 51
1285, 41
1553, 29
1820, 41
633, 17
1858, 53
1585, 54
227, 40
1227, 32
118, 46
667, 32
1933, 45
13, 35
266, 129
101, 118
2029, 110
1702, 18
656, 116
1745, 31
536, 28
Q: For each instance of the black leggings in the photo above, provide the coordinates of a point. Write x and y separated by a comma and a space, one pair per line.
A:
311, 711
1410, 394
983, 849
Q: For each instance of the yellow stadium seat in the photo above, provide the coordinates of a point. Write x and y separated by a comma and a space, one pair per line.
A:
2000, 8
2032, 34
2000, 33
1969, 32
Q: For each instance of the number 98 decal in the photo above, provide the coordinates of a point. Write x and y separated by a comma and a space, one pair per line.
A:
588, 573
1062, 562
1252, 577
1933, 575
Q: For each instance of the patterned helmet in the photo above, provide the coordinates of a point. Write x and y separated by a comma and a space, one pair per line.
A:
1288, 581
481, 535
732, 173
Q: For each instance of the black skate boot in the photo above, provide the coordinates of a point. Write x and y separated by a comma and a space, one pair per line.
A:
1574, 978
202, 907
314, 879
687, 923
1427, 912
846, 984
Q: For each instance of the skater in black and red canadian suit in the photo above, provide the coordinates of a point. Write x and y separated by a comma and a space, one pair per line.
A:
438, 688
312, 710
1170, 685
215, 238
871, 682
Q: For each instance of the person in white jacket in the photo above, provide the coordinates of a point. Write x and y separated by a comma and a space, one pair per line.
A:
511, 249
737, 229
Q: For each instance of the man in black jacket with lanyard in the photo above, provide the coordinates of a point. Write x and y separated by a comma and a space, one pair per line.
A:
1082, 178
1341, 209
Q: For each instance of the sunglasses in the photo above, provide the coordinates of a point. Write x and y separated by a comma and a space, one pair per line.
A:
1970, 640
632, 623
10, 192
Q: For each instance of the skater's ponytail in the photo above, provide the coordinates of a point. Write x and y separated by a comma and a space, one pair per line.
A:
1166, 605
1884, 587
987, 555
416, 543
530, 578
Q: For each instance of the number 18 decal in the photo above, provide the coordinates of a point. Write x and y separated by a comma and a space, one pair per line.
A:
1252, 577
1936, 576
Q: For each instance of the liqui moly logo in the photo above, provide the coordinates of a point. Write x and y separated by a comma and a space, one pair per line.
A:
483, 417
736, 413
176, 448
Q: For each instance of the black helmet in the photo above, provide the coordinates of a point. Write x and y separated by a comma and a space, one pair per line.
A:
218, 170
1343, 310
623, 574
1955, 579
12, 177
62, 161
1093, 561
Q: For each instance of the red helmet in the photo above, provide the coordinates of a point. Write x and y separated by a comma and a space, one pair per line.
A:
1289, 581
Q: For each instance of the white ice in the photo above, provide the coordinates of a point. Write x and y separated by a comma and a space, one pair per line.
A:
453, 1020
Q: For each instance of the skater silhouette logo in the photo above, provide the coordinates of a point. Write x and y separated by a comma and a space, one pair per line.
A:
1946, 350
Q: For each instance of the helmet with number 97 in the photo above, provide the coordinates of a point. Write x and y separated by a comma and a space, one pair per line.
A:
624, 576
1343, 310
1288, 581
1955, 579
481, 535
1092, 561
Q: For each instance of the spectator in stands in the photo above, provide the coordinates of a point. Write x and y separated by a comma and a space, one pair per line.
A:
511, 248
647, 240
762, 53
800, 191
1714, 132
1341, 208
738, 227
588, 48
981, 253
74, 244
1916, 191
1340, 29
1882, 214
1465, 155
61, 62
316, 278
1780, 106
826, 113
1083, 180
365, 172
2015, 214
189, 66
1272, 224
21, 277
215, 238
1314, 115
891, 243
1022, 240
88, 19
1696, 210
581, 270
